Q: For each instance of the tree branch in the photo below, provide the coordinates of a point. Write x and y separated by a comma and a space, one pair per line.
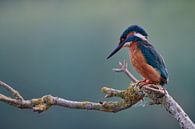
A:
129, 97
14, 92
123, 68
177, 112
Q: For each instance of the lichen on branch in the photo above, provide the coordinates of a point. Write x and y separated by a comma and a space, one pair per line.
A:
129, 97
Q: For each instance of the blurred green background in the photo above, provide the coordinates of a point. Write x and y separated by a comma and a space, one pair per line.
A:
59, 48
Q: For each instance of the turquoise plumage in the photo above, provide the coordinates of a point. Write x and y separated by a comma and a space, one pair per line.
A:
154, 59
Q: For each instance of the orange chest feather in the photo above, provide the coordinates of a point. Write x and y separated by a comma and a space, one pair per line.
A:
137, 57
141, 66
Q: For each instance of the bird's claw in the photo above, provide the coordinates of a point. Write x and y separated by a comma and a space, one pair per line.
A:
142, 83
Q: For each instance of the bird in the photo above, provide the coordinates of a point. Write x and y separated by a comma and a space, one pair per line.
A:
145, 59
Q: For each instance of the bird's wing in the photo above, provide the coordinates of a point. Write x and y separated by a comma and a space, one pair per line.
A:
154, 59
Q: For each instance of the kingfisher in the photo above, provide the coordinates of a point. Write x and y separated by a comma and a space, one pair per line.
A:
145, 59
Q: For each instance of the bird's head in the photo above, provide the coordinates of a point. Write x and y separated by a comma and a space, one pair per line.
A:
131, 30
133, 33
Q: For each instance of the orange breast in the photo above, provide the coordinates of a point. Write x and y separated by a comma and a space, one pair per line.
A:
139, 63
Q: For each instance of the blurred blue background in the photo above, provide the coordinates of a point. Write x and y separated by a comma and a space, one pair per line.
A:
59, 48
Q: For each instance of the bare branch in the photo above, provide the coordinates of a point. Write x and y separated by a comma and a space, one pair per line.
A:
14, 92
130, 96
177, 112
122, 67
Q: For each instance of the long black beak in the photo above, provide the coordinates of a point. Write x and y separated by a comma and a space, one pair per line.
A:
116, 49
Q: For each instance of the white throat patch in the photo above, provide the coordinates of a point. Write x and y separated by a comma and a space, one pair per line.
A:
127, 44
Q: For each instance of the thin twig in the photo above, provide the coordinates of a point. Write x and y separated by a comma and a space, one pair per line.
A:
122, 67
14, 92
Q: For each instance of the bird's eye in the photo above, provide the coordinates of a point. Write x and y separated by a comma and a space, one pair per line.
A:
122, 39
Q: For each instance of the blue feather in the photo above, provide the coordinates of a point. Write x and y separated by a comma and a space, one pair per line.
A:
154, 59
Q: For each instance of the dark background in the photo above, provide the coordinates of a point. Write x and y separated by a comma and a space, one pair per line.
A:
59, 48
